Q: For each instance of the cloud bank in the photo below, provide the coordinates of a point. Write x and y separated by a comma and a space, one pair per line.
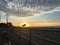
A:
24, 8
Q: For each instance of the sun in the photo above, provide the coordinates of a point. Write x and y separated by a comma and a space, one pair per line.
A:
24, 24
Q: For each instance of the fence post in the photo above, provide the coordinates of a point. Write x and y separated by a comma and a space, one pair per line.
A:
30, 37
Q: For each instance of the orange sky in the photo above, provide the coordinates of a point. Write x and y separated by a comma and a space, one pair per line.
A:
31, 24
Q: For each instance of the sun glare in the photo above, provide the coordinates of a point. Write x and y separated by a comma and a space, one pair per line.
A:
24, 24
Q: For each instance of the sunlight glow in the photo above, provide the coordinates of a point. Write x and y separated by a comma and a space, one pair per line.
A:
27, 25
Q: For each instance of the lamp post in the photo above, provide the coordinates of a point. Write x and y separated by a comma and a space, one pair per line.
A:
0, 18
7, 17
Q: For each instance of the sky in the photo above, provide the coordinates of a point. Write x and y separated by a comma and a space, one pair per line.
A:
31, 12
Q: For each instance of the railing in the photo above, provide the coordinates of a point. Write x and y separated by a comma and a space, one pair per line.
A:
40, 36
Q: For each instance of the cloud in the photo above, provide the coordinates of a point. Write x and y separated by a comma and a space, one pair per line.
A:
24, 8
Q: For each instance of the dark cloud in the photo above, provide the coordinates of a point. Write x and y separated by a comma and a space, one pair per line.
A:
24, 8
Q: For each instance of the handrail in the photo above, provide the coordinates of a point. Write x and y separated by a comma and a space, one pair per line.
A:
44, 38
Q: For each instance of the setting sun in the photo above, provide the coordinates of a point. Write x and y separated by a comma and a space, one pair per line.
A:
24, 24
